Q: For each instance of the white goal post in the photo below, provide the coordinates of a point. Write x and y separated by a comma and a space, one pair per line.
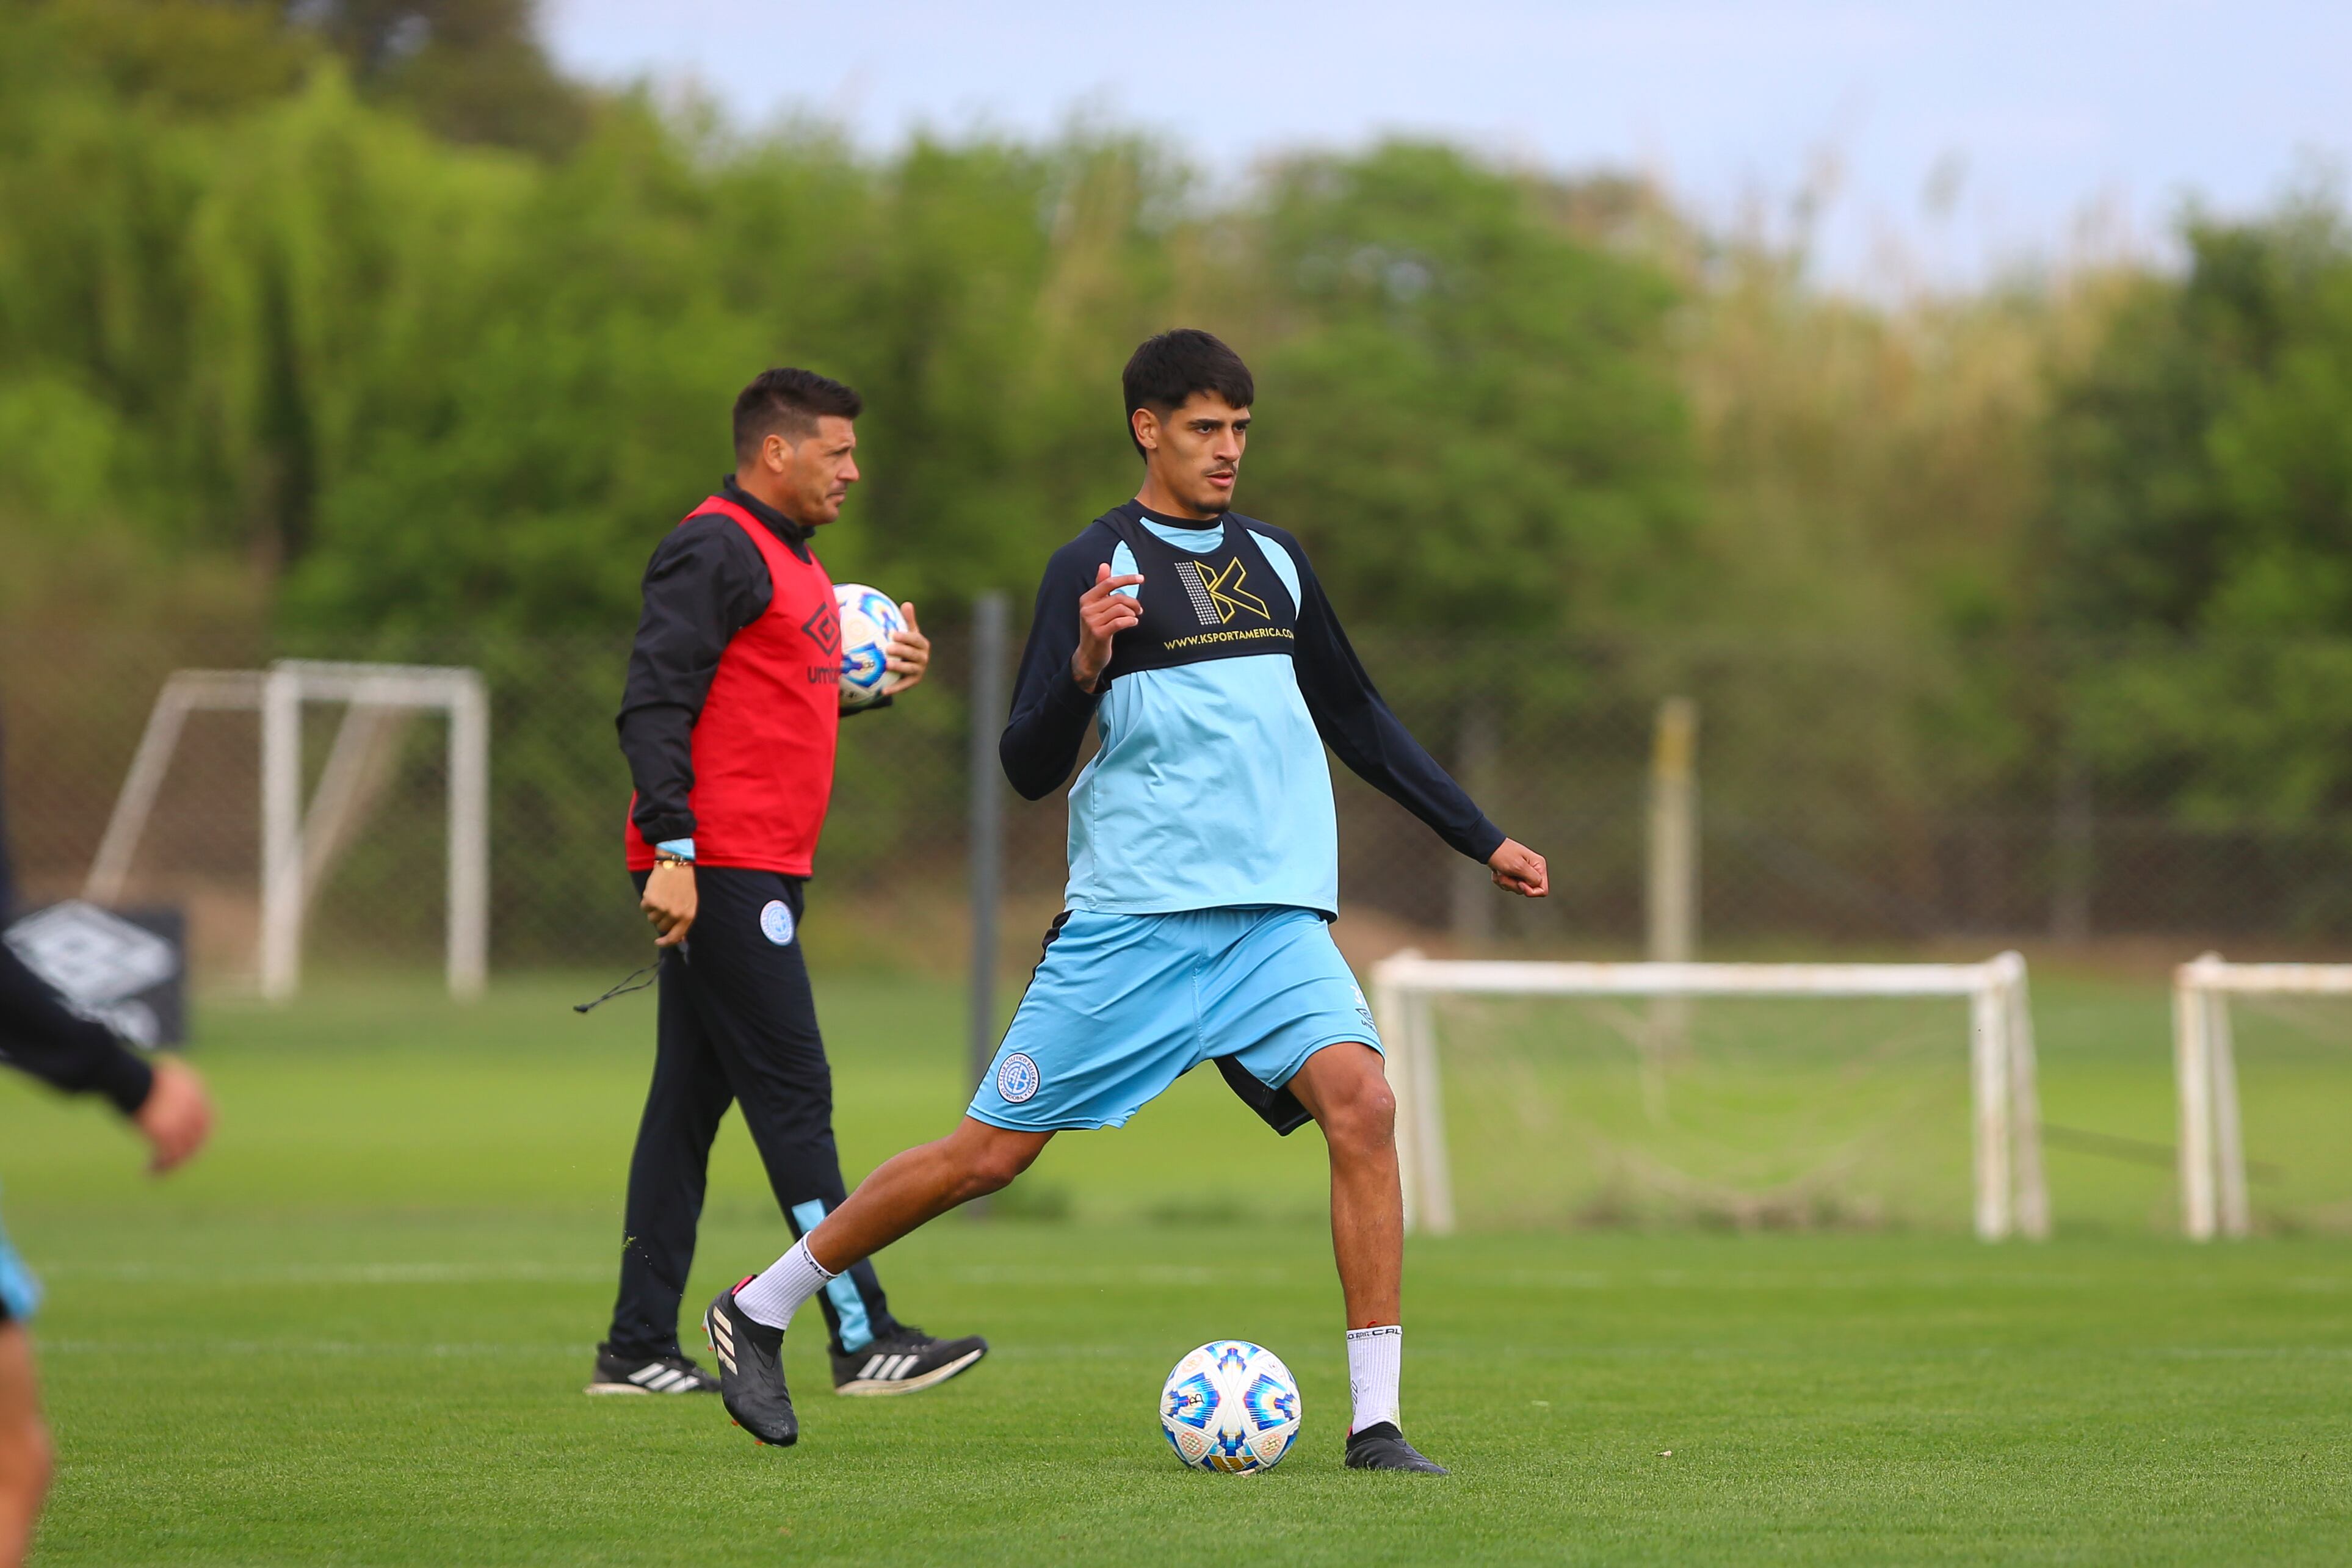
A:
297, 846
2205, 1071
2010, 1197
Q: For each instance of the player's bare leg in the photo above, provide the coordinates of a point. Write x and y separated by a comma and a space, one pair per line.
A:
746, 1324
24, 1446
910, 1190
1345, 1089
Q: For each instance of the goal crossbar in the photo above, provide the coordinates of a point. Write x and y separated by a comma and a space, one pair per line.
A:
2205, 1074
2010, 1196
296, 844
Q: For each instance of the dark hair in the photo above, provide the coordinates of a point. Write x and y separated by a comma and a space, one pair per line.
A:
1171, 367
788, 403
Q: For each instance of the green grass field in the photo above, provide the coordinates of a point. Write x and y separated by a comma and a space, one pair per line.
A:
356, 1333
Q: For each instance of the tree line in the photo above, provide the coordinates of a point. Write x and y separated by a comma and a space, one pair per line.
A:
353, 319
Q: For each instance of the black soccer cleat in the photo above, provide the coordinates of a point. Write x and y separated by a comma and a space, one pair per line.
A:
1380, 1446
648, 1374
751, 1371
904, 1360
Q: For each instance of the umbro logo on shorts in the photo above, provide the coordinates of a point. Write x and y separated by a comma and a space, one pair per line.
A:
1018, 1078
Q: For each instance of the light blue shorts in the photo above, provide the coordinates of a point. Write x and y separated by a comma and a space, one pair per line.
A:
1124, 1005
19, 1291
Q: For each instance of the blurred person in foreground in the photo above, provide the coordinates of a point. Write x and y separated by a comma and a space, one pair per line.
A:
1204, 872
729, 723
163, 1099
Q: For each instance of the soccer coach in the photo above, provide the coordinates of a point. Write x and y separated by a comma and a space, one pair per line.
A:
729, 722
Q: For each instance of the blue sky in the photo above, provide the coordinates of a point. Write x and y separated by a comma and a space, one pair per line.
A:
2047, 132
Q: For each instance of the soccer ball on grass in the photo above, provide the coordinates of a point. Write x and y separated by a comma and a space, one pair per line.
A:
1230, 1405
868, 620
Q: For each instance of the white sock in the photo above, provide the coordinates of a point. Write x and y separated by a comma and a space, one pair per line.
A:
1375, 1357
777, 1292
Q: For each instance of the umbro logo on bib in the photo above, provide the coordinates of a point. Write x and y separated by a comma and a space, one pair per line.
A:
824, 627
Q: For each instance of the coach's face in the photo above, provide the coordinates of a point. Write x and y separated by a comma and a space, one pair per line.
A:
814, 474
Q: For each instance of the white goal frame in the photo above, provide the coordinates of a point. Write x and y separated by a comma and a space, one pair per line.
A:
297, 845
2011, 1195
2205, 1071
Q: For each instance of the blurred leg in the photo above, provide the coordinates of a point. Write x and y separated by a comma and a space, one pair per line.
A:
24, 1446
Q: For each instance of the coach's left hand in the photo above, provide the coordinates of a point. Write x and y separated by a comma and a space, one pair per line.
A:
671, 902
910, 655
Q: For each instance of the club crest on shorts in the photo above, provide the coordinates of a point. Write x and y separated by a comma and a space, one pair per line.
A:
776, 922
1018, 1078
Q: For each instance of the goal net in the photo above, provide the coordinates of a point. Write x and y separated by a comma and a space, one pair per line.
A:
306, 830
1748, 1095
2260, 1056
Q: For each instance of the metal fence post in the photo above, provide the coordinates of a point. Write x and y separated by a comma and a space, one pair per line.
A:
1672, 891
2071, 840
989, 619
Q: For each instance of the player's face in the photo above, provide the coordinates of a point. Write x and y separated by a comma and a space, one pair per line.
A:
814, 474
1195, 451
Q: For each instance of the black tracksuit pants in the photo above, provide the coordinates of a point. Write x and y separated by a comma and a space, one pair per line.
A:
738, 1025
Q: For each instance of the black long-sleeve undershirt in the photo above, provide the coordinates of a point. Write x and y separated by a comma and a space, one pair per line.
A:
705, 583
1050, 711
40, 1035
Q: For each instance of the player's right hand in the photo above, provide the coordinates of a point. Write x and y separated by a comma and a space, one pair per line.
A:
1103, 613
178, 1115
670, 903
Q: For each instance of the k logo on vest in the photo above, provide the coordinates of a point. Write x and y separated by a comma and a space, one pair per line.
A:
1219, 596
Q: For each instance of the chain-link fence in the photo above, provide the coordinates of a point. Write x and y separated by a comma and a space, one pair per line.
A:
1848, 794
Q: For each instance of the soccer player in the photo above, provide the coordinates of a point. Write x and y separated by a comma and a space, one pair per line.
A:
165, 1101
729, 722
1204, 869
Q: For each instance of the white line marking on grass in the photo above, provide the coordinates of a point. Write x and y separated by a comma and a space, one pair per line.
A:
1145, 1274
2249, 1352
331, 1273
284, 1347
1741, 1280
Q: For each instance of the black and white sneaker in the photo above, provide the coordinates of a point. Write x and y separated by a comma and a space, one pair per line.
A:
751, 1370
904, 1360
1380, 1446
648, 1374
